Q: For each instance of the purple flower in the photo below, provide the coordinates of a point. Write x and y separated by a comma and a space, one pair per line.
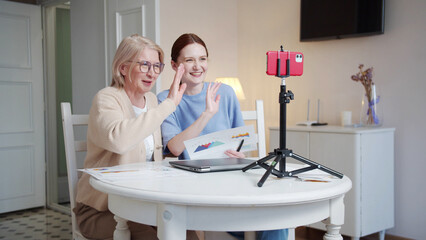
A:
365, 77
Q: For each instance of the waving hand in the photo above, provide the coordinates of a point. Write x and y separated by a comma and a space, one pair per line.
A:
212, 101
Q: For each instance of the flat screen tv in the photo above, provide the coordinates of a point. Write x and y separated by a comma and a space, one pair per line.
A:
335, 19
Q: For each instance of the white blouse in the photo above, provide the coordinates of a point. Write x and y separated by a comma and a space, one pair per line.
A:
149, 141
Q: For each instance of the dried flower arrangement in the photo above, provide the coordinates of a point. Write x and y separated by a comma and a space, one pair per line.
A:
366, 79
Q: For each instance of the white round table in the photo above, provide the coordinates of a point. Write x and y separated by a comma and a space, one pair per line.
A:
225, 201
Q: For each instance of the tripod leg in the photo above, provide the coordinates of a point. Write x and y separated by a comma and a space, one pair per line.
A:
258, 162
268, 172
317, 165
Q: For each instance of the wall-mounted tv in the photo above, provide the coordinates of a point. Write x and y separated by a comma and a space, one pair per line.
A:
335, 19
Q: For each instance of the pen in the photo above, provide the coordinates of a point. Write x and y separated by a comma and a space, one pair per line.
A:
313, 180
239, 146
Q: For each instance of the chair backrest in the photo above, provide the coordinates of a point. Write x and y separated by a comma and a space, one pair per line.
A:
258, 115
71, 147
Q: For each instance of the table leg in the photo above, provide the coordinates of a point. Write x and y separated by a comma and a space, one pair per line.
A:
336, 219
122, 231
171, 222
291, 234
333, 232
382, 235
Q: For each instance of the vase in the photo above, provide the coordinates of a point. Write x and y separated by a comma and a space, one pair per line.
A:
371, 109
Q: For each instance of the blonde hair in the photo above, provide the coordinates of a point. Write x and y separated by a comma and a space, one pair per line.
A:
128, 51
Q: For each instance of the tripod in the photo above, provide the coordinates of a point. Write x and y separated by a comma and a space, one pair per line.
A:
280, 154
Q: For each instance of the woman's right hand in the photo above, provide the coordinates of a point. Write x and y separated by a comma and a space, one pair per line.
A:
176, 89
234, 154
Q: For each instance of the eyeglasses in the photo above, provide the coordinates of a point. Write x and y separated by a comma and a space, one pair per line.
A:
145, 66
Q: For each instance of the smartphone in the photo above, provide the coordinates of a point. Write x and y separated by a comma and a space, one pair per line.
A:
296, 63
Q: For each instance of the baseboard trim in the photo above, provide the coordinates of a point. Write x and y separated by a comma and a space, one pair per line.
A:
392, 237
306, 233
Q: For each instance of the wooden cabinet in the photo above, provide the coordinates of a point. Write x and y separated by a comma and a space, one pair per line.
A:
366, 156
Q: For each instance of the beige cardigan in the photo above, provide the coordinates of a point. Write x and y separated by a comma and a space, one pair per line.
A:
115, 136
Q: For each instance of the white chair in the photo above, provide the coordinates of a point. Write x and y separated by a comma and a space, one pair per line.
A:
259, 117
71, 147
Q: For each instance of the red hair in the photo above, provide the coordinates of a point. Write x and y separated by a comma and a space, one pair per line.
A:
184, 40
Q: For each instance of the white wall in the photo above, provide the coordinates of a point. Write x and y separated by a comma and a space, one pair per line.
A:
398, 57
399, 60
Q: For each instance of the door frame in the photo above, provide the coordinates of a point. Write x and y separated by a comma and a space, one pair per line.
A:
49, 62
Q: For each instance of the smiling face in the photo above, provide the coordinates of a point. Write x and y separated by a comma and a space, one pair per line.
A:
194, 58
138, 83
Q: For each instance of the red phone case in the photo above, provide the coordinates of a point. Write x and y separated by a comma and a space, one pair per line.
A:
296, 63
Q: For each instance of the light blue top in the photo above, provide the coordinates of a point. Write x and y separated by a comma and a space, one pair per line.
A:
191, 107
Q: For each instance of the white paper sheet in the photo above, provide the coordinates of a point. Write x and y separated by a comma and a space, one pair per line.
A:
135, 171
215, 144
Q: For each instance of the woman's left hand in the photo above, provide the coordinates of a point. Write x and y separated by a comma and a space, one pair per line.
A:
234, 154
212, 100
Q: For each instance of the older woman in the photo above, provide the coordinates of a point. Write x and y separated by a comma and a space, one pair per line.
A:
124, 127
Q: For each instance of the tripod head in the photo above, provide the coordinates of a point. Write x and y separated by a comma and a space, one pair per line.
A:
285, 97
287, 63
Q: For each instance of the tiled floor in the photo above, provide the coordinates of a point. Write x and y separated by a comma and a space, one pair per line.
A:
35, 224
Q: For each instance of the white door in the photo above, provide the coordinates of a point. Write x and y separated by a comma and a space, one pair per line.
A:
22, 148
126, 17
